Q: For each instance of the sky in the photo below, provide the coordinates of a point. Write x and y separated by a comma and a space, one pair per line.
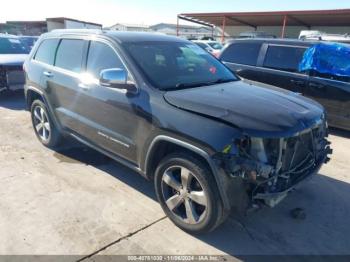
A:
147, 12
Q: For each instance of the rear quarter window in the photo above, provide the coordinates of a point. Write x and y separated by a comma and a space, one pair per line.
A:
286, 58
46, 51
242, 53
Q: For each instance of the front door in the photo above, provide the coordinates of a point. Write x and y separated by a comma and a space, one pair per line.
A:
280, 67
107, 114
334, 95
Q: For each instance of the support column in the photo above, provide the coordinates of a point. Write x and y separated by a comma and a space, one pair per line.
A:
177, 26
223, 29
284, 26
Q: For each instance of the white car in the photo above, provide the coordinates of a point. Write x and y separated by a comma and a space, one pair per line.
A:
213, 47
317, 35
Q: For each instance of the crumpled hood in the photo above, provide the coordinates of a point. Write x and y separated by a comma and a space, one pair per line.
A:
12, 59
257, 110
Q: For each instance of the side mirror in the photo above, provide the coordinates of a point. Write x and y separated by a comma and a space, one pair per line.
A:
116, 78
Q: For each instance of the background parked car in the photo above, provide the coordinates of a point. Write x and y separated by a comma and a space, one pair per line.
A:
213, 47
276, 62
321, 36
12, 55
29, 40
256, 34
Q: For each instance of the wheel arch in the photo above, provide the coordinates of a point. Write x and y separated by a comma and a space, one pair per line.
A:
163, 145
33, 94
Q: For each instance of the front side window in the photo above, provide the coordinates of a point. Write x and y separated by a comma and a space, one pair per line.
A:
100, 57
286, 58
172, 65
12, 46
242, 53
70, 55
46, 51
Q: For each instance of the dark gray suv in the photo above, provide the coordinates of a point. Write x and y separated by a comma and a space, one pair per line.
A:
175, 114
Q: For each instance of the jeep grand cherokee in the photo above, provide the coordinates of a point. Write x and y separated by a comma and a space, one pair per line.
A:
175, 114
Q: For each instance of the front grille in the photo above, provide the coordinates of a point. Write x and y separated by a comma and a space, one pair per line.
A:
11, 75
300, 156
298, 149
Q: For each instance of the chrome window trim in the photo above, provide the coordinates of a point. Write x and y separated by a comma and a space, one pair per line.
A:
89, 38
266, 68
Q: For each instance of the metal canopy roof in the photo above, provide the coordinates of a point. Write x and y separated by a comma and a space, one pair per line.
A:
337, 17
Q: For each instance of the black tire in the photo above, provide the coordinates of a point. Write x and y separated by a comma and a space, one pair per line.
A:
213, 214
54, 138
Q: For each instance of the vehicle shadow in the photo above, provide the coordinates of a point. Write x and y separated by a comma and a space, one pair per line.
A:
13, 100
324, 231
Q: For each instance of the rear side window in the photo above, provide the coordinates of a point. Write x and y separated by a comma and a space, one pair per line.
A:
70, 55
242, 53
100, 57
46, 51
286, 58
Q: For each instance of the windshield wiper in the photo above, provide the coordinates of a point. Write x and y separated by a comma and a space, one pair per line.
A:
198, 84
222, 80
188, 85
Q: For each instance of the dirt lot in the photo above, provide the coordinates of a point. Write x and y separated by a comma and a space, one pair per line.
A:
78, 201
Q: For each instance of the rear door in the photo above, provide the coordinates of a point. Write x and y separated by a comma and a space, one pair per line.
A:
242, 58
333, 93
42, 61
280, 67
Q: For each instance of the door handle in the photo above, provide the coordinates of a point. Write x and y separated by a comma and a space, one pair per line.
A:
319, 86
84, 86
48, 74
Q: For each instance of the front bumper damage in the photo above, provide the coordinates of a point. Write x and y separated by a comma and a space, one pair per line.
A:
272, 199
268, 169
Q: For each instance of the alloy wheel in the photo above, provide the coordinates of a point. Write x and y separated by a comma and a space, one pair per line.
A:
184, 195
41, 123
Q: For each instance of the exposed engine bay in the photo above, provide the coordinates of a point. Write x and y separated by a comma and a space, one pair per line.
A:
271, 167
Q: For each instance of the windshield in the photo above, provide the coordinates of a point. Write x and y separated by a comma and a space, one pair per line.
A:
175, 65
12, 46
216, 46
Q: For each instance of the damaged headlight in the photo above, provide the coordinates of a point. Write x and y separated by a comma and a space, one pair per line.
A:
247, 158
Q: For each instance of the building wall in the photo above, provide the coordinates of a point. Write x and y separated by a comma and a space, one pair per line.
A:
68, 24
23, 28
51, 25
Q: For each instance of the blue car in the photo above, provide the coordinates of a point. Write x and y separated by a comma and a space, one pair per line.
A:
13, 52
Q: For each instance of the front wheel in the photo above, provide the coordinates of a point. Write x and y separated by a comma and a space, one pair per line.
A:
188, 193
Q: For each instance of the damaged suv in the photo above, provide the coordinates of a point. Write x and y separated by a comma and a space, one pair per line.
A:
167, 109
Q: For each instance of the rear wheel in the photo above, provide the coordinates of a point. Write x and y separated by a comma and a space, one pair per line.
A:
44, 127
188, 193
